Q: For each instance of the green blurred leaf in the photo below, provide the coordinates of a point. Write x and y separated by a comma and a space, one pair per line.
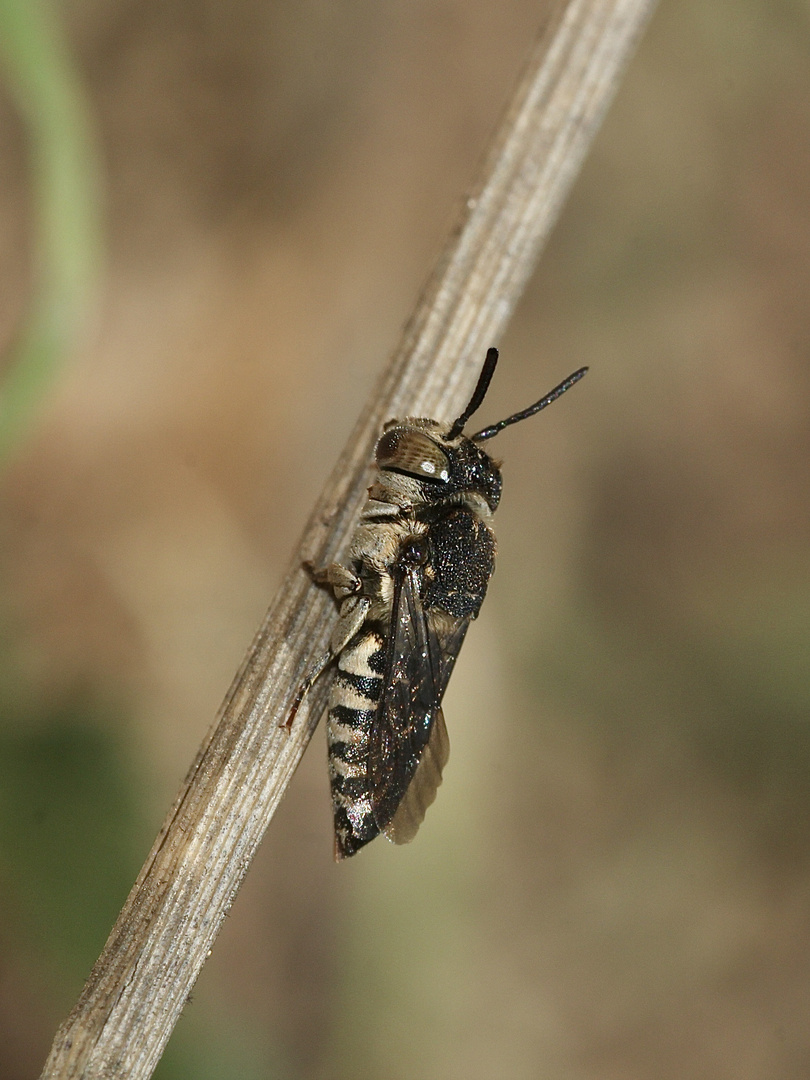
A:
70, 839
65, 185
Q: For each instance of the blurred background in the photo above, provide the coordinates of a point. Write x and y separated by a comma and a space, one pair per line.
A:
214, 220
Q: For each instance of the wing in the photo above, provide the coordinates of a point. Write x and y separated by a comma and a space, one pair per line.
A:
409, 745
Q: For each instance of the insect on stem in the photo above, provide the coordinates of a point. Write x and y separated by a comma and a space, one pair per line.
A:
414, 578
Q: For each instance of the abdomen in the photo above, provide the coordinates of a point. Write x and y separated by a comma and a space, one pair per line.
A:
353, 705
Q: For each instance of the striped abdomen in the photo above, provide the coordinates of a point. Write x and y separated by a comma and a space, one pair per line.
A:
352, 709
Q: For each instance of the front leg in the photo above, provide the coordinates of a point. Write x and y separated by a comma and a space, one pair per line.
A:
347, 587
343, 581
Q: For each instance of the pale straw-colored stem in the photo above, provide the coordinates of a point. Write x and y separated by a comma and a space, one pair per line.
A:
165, 932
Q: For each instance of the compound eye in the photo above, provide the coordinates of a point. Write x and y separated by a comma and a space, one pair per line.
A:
404, 450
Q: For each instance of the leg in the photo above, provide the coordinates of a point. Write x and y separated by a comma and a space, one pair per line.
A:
352, 616
343, 581
317, 671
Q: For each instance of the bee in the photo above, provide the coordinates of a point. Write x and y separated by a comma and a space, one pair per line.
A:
415, 575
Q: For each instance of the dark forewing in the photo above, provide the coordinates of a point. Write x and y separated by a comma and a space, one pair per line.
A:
422, 648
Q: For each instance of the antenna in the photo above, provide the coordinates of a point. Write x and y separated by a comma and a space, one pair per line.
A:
484, 379
488, 432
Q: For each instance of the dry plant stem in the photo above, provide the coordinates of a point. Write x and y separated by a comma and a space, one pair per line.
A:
164, 934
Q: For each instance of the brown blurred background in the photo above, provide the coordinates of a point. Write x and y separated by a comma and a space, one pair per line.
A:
614, 882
